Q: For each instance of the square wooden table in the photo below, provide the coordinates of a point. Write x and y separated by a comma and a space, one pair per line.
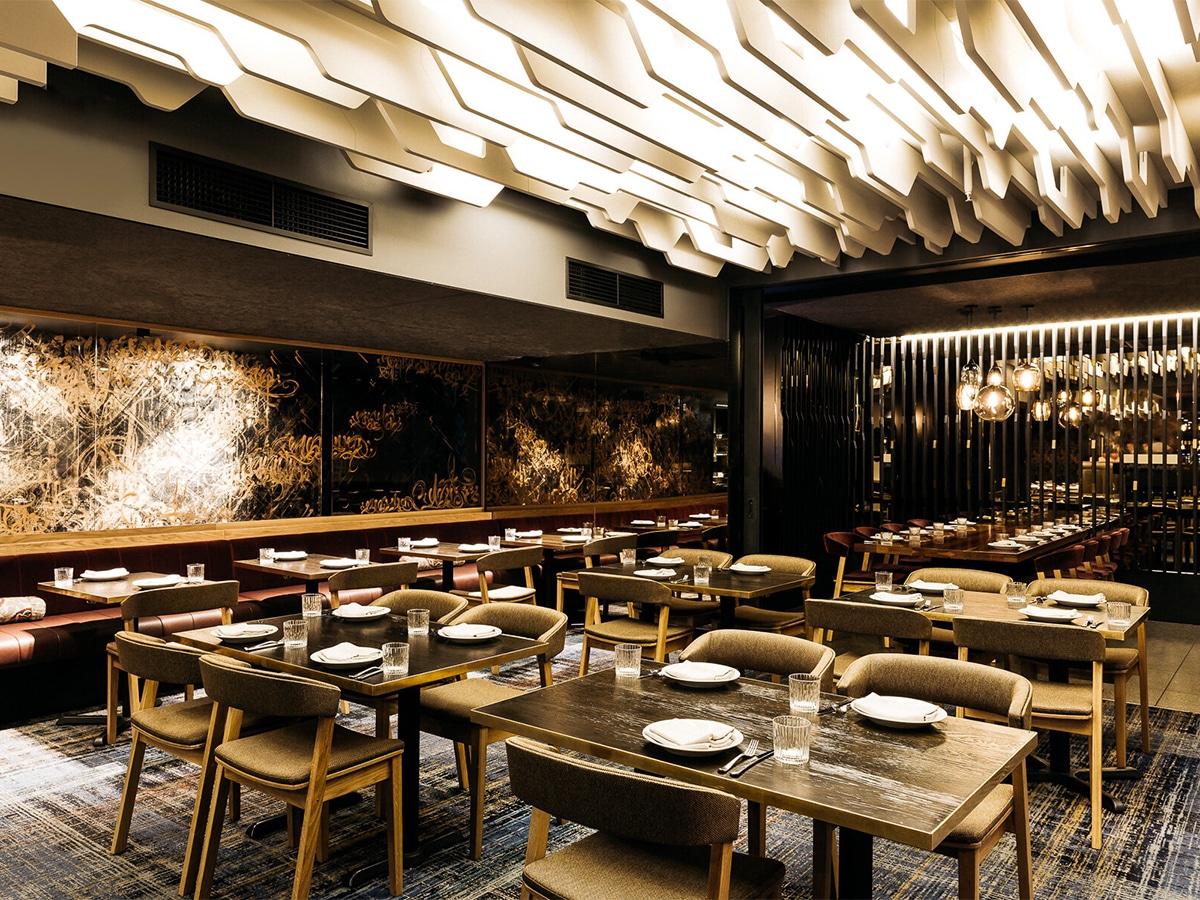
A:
308, 570
446, 551
912, 786
431, 659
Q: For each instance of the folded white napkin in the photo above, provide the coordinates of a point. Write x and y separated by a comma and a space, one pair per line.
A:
897, 709
642, 522
346, 651
889, 597
245, 629
691, 670
1076, 598
569, 530
689, 525
467, 630
536, 533
694, 734
575, 539
291, 554
666, 560
424, 542
357, 610
343, 563
749, 570
473, 548
932, 585
165, 581
1004, 544
99, 574
655, 573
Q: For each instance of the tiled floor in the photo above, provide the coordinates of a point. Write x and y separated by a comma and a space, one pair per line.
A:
1173, 658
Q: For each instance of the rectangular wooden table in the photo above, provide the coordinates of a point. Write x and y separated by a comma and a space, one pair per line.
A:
912, 786
446, 551
107, 593
308, 570
969, 546
431, 659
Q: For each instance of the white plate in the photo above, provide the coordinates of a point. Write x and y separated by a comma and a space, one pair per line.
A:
1027, 539
529, 534
735, 738
932, 587
657, 574
104, 575
1005, 545
569, 530
1062, 598
165, 581
369, 655
285, 555
473, 548
684, 673
743, 569
424, 542
913, 599
700, 516
898, 712
244, 634
665, 561
642, 522
343, 563
689, 525
575, 539
364, 613
1049, 614
468, 634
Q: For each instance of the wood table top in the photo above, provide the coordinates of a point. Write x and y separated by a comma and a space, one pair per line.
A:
969, 545
912, 786
109, 593
722, 582
446, 551
308, 569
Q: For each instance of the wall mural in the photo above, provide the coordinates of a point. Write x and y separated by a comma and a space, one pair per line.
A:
557, 438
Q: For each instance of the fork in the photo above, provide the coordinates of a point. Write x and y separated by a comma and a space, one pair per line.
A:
367, 672
749, 750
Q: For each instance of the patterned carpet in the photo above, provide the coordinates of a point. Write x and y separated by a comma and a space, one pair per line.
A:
59, 794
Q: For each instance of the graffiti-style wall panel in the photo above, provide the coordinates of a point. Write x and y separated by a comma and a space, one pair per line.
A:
406, 433
125, 431
555, 438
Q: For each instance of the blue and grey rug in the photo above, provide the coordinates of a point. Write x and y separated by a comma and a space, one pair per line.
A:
59, 796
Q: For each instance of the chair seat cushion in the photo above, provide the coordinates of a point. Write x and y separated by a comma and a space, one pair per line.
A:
633, 631
1051, 698
685, 607
456, 699
601, 865
747, 616
1120, 659
983, 818
180, 724
284, 755
505, 592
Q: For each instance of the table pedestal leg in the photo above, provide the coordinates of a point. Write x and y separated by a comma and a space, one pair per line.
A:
855, 863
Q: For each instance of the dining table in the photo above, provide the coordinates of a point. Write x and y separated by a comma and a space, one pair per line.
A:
432, 658
309, 569
974, 543
449, 553
912, 785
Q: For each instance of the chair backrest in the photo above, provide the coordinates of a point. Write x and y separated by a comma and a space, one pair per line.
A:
865, 531
846, 617
690, 555
659, 538
184, 598
1112, 590
502, 560
383, 578
593, 550
967, 579
154, 659
1060, 563
536, 622
715, 536
838, 543
622, 588
619, 802
921, 523
790, 565
1032, 640
998, 692
442, 607
762, 651
239, 685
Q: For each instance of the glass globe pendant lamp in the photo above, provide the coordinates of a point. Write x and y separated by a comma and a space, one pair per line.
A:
1071, 415
1027, 377
1041, 410
969, 381
995, 402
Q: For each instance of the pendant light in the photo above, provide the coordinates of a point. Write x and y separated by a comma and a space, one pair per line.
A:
1042, 409
995, 402
1027, 377
969, 378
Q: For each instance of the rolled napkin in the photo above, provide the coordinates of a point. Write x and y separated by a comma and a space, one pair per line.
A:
932, 585
104, 574
693, 734
346, 651
473, 548
467, 630
691, 670
1076, 598
897, 709
535, 533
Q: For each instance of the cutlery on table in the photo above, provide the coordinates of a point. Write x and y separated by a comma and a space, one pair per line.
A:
368, 672
747, 764
837, 707
265, 645
749, 750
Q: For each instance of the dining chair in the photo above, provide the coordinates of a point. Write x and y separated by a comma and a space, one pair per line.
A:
446, 708
652, 837
981, 692
443, 607
779, 621
1120, 662
594, 553
691, 555
1062, 563
864, 628
364, 584
657, 638
162, 611
841, 544
303, 765
967, 579
502, 561
1058, 705
652, 543
715, 537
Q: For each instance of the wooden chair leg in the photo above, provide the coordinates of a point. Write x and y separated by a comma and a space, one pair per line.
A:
968, 876
212, 837
584, 652
310, 841
395, 829
1020, 783
133, 773
478, 788
113, 682
1120, 717
462, 763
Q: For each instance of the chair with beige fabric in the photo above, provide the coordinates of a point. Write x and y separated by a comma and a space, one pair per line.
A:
653, 837
1073, 708
365, 584
161, 611
691, 555
593, 552
498, 561
983, 692
442, 607
446, 708
656, 639
968, 579
1120, 662
863, 628
305, 765
780, 621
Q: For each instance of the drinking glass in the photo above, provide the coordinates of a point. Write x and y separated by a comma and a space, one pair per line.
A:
510, 534
1014, 592
883, 581
660, 521
266, 554
403, 544
295, 634
804, 693
628, 556
64, 577
952, 600
714, 513
702, 570
395, 659
885, 538
312, 604
1118, 613
493, 542
195, 573
791, 734
939, 527
628, 660
418, 621
363, 554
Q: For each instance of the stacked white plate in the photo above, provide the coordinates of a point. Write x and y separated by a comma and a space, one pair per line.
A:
468, 633
1062, 598
700, 674
360, 613
898, 712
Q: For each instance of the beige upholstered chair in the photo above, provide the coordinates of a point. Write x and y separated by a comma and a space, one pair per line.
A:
1059, 706
365, 584
689, 555
304, 765
1120, 662
524, 558
657, 638
442, 607
160, 611
967, 579
446, 708
757, 618
981, 691
864, 627
653, 836
592, 552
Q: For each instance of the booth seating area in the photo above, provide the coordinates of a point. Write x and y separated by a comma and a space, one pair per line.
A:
57, 661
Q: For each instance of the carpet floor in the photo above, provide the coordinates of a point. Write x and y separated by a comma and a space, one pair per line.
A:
59, 797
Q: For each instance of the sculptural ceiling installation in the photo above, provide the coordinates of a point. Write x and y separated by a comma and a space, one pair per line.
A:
747, 132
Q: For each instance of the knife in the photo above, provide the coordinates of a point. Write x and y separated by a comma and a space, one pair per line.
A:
742, 767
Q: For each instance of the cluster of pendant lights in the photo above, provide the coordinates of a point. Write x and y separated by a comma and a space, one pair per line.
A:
993, 401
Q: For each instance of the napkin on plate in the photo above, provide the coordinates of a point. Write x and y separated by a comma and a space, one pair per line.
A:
932, 585
357, 610
666, 560
424, 542
165, 581
642, 522
290, 554
746, 569
1012, 545
536, 533
897, 709
889, 597
346, 651
1076, 598
343, 563
701, 671
473, 548
467, 630
247, 629
694, 734
103, 574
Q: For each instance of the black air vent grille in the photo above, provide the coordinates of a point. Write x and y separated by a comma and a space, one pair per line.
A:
218, 190
605, 287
